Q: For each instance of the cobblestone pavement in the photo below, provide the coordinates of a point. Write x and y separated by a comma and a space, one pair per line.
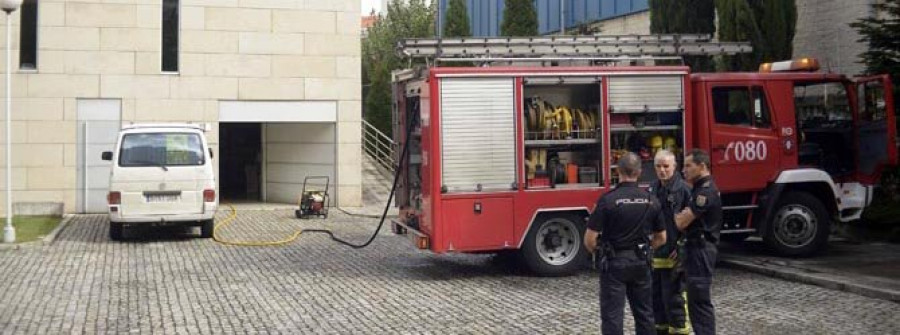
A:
168, 282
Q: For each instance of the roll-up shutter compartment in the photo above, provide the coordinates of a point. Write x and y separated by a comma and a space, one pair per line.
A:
646, 93
477, 134
646, 115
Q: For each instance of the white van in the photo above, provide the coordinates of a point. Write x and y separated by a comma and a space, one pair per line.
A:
162, 174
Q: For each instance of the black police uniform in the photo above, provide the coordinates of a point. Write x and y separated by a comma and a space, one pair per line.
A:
624, 217
702, 237
669, 308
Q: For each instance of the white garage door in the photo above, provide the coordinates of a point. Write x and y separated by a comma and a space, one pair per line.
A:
294, 151
98, 128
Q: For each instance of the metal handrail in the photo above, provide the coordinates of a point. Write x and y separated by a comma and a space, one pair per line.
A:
378, 146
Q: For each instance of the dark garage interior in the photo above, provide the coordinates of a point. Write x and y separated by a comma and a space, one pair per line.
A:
240, 148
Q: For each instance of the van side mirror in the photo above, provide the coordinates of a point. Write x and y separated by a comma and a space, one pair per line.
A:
210, 153
107, 155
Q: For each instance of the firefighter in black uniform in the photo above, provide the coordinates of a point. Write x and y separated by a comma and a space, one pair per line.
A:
701, 221
622, 220
673, 194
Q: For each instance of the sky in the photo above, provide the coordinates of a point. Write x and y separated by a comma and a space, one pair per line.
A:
367, 6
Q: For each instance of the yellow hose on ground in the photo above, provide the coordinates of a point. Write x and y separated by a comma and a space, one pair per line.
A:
231, 218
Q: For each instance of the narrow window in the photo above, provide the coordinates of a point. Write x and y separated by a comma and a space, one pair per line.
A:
28, 36
170, 36
740, 106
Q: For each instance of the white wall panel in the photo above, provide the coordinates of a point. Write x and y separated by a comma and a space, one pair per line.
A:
277, 111
293, 152
100, 118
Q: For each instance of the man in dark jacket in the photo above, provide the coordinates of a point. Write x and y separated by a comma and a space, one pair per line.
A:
673, 194
701, 222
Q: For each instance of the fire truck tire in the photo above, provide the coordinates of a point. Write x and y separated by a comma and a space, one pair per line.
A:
206, 228
800, 225
116, 230
553, 246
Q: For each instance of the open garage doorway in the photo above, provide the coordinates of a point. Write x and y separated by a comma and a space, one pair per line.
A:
240, 162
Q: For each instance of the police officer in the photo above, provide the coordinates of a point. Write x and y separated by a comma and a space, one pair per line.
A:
622, 219
673, 194
701, 222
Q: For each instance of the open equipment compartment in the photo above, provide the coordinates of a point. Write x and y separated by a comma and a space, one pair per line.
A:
646, 114
562, 123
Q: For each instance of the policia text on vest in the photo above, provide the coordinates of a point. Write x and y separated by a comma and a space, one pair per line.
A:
617, 235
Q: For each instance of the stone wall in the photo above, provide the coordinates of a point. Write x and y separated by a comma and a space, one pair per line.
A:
229, 50
823, 32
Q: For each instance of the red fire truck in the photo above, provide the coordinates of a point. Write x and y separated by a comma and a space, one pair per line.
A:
512, 157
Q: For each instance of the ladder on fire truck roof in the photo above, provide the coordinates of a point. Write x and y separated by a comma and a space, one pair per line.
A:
597, 47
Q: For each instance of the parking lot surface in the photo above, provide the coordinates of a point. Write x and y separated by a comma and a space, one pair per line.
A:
166, 281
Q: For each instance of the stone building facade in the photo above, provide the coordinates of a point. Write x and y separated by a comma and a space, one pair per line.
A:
281, 77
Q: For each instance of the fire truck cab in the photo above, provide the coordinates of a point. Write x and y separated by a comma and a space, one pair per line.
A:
793, 151
511, 159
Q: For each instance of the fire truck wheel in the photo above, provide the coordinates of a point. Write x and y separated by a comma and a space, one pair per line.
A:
800, 225
553, 246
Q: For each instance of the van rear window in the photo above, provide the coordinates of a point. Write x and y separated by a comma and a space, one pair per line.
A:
161, 149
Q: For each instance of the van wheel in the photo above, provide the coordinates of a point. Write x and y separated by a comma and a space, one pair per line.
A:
553, 246
115, 230
206, 230
800, 225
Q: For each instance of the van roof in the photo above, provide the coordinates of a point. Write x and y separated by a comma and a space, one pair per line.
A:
165, 125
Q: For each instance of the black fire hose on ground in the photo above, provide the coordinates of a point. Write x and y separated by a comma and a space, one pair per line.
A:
387, 206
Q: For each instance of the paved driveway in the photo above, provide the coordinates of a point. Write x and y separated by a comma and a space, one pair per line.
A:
169, 283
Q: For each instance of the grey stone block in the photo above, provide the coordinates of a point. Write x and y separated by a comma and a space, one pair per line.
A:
38, 208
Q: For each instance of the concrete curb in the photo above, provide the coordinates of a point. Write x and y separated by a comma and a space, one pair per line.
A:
813, 278
48, 240
12, 246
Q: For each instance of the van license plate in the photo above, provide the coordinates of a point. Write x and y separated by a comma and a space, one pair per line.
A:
163, 197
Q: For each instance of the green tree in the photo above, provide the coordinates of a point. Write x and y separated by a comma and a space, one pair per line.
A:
777, 23
457, 24
404, 19
881, 32
769, 25
519, 18
685, 17
378, 100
